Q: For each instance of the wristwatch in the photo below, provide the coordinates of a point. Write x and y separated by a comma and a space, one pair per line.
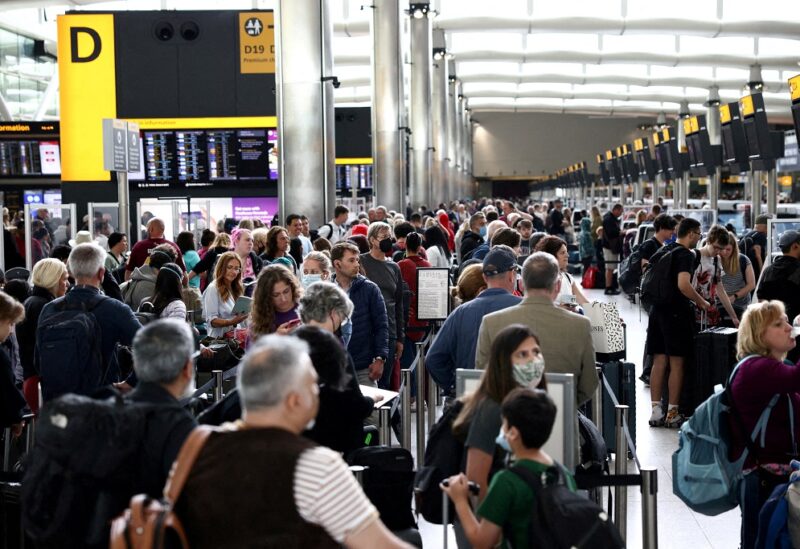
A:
382, 359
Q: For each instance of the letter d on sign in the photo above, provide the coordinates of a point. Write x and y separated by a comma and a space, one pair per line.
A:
96, 42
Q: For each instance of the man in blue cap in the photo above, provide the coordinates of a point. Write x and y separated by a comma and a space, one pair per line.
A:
455, 346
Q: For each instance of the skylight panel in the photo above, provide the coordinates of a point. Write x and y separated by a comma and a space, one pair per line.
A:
639, 43
466, 68
473, 41
570, 69
561, 42
572, 8
726, 45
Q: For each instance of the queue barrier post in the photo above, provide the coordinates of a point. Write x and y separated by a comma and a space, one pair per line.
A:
406, 406
7, 449
597, 402
358, 472
30, 431
385, 425
217, 385
420, 403
621, 468
433, 397
649, 507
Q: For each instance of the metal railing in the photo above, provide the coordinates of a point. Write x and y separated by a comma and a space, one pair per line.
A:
646, 477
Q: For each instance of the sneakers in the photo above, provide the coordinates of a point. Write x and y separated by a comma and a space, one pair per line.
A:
674, 419
657, 416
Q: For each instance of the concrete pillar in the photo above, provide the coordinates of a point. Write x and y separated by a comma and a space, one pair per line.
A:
714, 126
303, 36
467, 170
419, 189
387, 102
440, 191
452, 132
458, 151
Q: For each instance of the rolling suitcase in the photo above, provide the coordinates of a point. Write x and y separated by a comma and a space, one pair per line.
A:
714, 357
621, 377
388, 482
11, 533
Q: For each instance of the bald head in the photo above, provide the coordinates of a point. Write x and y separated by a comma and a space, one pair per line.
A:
155, 228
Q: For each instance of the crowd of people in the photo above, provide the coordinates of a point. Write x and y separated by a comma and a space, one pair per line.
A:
320, 313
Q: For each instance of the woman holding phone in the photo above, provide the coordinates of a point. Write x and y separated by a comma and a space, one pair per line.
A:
221, 295
275, 302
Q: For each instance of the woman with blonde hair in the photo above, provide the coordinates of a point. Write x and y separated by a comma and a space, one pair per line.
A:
470, 284
50, 280
763, 381
221, 295
275, 302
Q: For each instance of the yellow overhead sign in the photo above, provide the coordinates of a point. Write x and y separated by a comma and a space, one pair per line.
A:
794, 87
747, 106
88, 85
687, 126
657, 138
724, 114
695, 123
599, 158
609, 155
257, 42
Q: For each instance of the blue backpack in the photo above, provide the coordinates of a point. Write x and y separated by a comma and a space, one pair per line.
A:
773, 520
703, 476
68, 344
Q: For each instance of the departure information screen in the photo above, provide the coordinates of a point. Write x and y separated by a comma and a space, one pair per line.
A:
29, 159
199, 158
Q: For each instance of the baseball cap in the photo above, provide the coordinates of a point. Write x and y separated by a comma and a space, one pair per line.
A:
500, 259
762, 219
788, 238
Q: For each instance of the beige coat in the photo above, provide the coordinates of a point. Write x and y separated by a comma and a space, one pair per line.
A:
565, 339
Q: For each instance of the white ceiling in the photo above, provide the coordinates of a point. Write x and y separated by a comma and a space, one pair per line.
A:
627, 57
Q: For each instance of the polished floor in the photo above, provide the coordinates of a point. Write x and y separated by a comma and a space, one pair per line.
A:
678, 526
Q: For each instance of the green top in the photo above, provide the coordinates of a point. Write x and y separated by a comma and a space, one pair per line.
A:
511, 501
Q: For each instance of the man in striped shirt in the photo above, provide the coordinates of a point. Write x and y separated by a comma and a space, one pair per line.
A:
260, 484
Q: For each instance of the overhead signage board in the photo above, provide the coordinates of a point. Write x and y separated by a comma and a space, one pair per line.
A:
115, 145
257, 42
134, 146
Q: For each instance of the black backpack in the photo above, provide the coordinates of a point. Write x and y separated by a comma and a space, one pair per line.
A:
68, 344
594, 453
562, 519
658, 286
746, 245
83, 469
630, 271
444, 454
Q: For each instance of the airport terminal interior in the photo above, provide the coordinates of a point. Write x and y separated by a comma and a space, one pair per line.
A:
389, 273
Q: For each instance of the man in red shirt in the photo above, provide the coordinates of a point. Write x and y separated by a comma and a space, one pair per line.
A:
141, 251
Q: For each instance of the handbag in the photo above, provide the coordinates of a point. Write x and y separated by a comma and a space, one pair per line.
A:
227, 354
150, 523
608, 333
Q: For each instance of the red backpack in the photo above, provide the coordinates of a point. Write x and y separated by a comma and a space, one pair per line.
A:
591, 277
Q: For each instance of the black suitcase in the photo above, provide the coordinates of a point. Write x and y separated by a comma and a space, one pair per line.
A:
388, 482
621, 376
11, 533
714, 358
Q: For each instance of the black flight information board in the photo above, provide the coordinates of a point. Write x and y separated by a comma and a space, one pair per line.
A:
204, 158
29, 150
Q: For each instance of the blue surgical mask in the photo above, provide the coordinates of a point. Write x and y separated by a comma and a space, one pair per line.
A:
310, 279
502, 442
482, 231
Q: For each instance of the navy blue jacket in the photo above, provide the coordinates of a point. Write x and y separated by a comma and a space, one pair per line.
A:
370, 337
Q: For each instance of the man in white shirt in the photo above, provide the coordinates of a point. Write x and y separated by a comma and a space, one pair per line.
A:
285, 487
294, 226
334, 230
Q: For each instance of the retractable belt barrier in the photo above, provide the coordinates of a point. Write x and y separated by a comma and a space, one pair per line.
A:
646, 478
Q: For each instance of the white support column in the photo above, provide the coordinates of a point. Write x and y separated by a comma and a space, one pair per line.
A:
387, 102
303, 38
440, 191
419, 189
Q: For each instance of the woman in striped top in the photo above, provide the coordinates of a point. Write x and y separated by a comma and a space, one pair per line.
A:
738, 279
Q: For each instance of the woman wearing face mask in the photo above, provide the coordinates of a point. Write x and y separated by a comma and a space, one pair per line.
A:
516, 361
316, 268
274, 302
